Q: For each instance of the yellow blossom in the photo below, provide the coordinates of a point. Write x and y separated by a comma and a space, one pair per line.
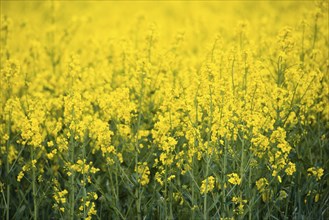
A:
316, 172
143, 172
207, 185
234, 179
291, 169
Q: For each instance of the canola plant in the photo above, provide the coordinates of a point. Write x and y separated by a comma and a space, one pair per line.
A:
164, 110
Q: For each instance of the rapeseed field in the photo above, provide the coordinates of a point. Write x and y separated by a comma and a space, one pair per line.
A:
164, 110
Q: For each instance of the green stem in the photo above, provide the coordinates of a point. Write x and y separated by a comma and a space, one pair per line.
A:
171, 202
224, 177
192, 189
193, 158
165, 192
8, 201
242, 161
117, 187
34, 188
7, 171
84, 179
72, 186
249, 183
205, 213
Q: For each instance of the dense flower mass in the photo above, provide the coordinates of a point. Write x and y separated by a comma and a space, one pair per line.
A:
164, 110
207, 185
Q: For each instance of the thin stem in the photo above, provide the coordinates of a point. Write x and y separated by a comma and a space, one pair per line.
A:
84, 178
34, 189
224, 177
72, 186
7, 171
165, 191
117, 187
205, 213
242, 160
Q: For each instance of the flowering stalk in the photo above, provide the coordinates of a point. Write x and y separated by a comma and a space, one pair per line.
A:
205, 211
138, 189
72, 176
34, 189
7, 171
84, 177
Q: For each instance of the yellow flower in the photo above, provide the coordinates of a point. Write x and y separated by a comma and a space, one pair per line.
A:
285, 147
20, 176
316, 172
240, 202
234, 179
207, 185
120, 157
158, 178
5, 137
178, 197
50, 143
275, 174
33, 163
92, 210
235, 199
291, 169
261, 184
262, 187
52, 154
171, 177
143, 172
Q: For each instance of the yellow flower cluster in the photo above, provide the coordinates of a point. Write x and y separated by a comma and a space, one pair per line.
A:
83, 167
261, 184
143, 172
88, 205
60, 197
316, 172
241, 203
179, 198
262, 187
25, 169
234, 179
291, 169
207, 185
